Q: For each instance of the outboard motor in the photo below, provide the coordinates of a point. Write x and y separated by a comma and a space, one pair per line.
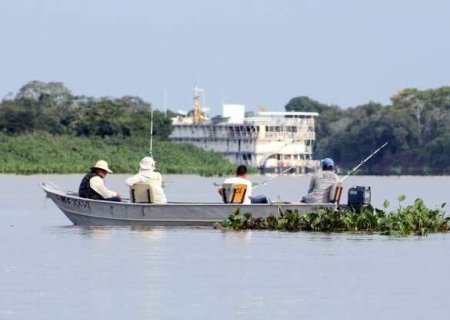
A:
358, 197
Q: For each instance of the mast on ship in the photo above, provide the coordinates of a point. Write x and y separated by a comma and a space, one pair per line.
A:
197, 114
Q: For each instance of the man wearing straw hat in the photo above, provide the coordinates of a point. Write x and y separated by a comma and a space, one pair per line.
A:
93, 187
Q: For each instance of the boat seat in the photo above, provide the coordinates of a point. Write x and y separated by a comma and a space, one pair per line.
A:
336, 192
142, 193
233, 192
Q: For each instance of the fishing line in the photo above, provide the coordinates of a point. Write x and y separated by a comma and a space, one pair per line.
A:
362, 162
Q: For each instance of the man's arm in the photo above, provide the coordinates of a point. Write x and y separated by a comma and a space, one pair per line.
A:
312, 184
98, 185
133, 180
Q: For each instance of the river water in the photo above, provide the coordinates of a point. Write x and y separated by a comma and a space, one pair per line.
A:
50, 269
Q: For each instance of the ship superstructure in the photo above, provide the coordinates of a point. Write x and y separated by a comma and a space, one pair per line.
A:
271, 141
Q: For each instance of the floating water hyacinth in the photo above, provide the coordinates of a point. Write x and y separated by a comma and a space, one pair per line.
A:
415, 219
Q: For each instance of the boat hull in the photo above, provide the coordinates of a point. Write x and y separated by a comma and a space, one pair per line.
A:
88, 212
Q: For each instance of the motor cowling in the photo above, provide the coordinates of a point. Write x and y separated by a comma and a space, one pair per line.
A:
359, 196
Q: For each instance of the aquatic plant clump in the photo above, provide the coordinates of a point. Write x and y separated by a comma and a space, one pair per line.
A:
414, 219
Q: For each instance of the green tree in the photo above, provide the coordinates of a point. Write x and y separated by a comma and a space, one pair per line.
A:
15, 119
51, 105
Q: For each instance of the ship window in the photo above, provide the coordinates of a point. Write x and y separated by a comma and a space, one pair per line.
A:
257, 129
291, 129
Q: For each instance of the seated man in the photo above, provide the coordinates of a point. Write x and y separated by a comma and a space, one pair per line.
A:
321, 183
241, 178
149, 176
93, 187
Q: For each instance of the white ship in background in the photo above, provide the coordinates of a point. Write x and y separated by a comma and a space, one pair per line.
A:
270, 141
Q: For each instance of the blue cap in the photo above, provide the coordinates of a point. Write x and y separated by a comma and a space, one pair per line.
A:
327, 163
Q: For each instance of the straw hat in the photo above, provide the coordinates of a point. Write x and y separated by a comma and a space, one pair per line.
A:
102, 164
147, 163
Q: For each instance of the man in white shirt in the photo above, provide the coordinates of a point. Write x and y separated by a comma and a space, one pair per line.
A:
92, 185
148, 175
241, 178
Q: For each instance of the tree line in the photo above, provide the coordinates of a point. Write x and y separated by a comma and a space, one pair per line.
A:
51, 107
415, 124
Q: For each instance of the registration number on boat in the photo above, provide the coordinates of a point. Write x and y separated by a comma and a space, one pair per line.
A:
74, 202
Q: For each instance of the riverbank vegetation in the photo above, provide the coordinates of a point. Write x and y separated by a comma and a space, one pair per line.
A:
414, 219
415, 124
42, 152
46, 129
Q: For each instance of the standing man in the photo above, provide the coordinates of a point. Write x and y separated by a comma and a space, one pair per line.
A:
321, 183
93, 187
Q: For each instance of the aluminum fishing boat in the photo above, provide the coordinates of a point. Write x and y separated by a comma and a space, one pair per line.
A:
88, 212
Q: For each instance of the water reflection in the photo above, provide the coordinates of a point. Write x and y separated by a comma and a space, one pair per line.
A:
148, 232
87, 231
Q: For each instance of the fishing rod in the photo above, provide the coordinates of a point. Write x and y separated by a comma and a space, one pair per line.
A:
151, 130
260, 184
362, 162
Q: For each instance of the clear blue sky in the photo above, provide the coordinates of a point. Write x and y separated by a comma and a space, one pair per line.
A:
254, 52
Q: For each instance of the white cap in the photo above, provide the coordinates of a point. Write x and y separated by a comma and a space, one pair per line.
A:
147, 163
